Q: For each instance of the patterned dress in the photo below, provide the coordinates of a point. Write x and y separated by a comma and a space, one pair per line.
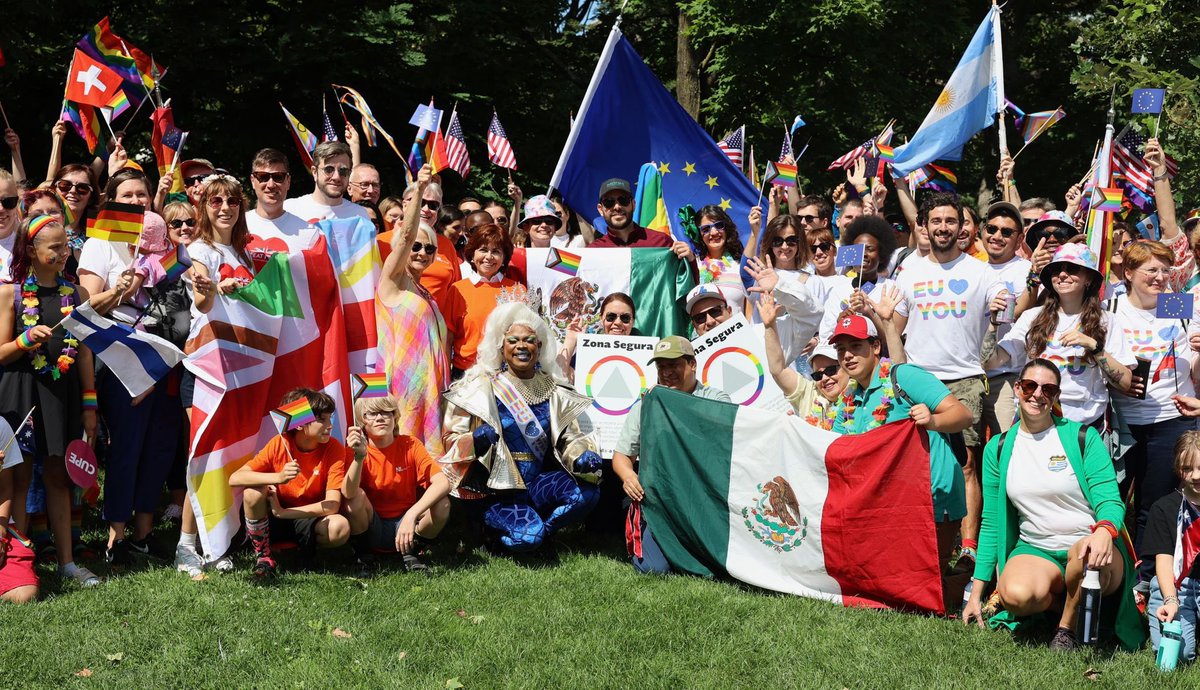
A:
413, 353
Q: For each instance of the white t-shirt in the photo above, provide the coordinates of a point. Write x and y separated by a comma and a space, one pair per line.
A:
287, 233
947, 310
1012, 274
568, 242
837, 300
108, 260
222, 262
1052, 512
6, 254
1151, 338
803, 312
1084, 389
309, 210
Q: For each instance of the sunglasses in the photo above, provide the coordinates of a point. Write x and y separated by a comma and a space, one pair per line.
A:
829, 371
65, 186
611, 317
718, 226
822, 247
1028, 388
430, 249
1029, 221
180, 222
431, 204
341, 170
777, 242
9, 202
1004, 232
807, 220
713, 312
616, 201
216, 202
265, 177
194, 179
1061, 234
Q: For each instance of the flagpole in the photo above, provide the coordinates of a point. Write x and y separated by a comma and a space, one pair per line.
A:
1038, 133
1157, 122
614, 35
998, 73
6, 125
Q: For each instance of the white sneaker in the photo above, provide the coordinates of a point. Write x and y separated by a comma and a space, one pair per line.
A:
80, 574
224, 564
188, 561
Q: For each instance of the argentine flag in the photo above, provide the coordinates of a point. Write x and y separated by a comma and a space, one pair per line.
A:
968, 103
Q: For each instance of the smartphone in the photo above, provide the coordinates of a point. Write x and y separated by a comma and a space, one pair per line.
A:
1142, 371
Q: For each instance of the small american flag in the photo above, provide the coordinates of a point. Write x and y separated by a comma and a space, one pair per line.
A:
733, 144
1129, 164
786, 149
456, 148
847, 159
499, 150
330, 133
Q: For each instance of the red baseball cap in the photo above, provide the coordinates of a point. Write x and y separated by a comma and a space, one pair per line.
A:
853, 326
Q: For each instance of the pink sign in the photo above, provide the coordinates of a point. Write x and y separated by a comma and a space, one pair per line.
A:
81, 464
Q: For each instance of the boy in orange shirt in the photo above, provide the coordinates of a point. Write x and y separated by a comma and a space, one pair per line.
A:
293, 485
396, 497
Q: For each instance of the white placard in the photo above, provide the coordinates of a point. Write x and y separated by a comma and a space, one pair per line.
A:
613, 371
733, 357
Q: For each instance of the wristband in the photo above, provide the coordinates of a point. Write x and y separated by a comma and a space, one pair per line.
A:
1033, 280
1171, 600
25, 342
89, 400
1107, 527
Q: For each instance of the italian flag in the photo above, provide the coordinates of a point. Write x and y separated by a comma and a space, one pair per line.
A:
780, 504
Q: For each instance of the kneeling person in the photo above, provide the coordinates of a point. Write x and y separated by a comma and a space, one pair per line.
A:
381, 489
293, 485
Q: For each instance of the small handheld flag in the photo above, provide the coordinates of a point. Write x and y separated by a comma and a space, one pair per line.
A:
303, 137
370, 385
1108, 199
1148, 226
849, 255
563, 261
1148, 101
797, 124
293, 415
425, 117
500, 151
115, 222
780, 174
176, 263
1175, 305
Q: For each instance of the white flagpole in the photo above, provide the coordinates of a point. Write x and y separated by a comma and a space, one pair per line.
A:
998, 73
601, 66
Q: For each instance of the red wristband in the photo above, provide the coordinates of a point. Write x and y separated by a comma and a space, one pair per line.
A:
1108, 527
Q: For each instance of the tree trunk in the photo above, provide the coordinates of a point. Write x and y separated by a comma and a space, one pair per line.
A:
687, 71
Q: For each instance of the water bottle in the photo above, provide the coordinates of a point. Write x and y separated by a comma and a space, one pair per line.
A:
1169, 644
967, 594
1089, 614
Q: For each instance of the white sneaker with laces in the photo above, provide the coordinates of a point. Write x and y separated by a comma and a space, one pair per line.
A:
188, 561
224, 564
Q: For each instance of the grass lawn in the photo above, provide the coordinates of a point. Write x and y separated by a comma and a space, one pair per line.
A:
578, 619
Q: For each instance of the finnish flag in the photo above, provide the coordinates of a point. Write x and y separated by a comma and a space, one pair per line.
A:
138, 359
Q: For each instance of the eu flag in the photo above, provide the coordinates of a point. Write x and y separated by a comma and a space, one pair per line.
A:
628, 119
1174, 305
1148, 100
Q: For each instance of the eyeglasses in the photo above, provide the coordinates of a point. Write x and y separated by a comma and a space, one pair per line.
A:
379, 414
616, 201
829, 371
822, 247
367, 185
1028, 388
431, 204
180, 222
430, 249
777, 242
341, 170
216, 202
1154, 272
9, 202
194, 179
501, 221
610, 317
718, 226
711, 312
265, 177
65, 186
1004, 232
807, 220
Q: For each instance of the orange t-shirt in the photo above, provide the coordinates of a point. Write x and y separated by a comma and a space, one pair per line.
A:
467, 308
391, 475
321, 469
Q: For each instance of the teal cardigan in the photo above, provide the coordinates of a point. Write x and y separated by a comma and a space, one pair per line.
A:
999, 528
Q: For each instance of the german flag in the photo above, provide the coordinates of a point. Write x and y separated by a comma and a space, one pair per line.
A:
115, 222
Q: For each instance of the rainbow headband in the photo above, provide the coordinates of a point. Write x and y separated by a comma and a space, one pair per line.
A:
36, 225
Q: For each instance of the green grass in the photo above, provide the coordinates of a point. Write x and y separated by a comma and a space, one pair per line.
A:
582, 619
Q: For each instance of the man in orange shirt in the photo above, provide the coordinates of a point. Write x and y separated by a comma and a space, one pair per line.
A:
293, 485
396, 497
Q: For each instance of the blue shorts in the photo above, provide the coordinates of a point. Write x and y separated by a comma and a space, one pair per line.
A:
382, 532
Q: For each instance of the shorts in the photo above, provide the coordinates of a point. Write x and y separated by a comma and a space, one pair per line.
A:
303, 531
999, 407
1058, 558
970, 392
381, 533
18, 568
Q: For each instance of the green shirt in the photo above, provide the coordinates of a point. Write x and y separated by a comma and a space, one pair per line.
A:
629, 442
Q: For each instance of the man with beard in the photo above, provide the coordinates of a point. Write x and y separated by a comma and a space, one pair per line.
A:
331, 173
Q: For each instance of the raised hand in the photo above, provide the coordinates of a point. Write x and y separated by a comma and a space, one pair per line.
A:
768, 309
763, 274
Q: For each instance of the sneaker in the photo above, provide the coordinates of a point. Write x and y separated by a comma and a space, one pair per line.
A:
83, 576
140, 547
118, 554
413, 564
265, 569
367, 565
188, 561
172, 513
224, 564
1063, 641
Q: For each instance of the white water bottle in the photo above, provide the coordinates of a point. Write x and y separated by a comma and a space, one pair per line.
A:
967, 594
1089, 608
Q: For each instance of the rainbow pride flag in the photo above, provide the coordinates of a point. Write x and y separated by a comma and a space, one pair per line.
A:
435, 152
293, 415
886, 152
1108, 199
176, 263
563, 261
371, 385
780, 174
114, 222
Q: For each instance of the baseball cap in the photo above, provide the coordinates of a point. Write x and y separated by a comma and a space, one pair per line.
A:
853, 326
195, 163
1008, 210
615, 184
706, 291
673, 347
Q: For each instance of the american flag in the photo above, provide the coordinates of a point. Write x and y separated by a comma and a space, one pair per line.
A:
330, 132
786, 149
847, 159
733, 144
499, 150
456, 148
1129, 164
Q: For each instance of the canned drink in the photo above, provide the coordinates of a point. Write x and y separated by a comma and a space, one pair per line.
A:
1009, 313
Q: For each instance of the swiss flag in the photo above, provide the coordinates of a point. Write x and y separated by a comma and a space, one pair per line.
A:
92, 82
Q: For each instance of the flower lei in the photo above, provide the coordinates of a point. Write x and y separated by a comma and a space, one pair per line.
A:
879, 414
821, 416
32, 314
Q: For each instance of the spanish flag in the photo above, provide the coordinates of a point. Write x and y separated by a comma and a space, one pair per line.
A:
115, 222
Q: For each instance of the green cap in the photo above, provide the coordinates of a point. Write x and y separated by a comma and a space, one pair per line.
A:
615, 184
673, 347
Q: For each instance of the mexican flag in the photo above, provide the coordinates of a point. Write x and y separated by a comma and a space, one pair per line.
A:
777, 503
282, 331
571, 284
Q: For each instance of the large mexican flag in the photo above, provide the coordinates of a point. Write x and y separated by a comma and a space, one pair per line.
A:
780, 504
